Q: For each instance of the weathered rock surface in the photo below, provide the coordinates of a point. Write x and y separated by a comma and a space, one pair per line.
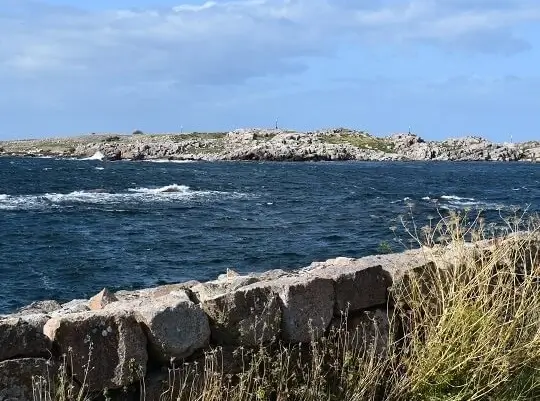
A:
248, 316
109, 347
308, 305
364, 283
22, 337
278, 145
38, 307
26, 379
74, 306
148, 293
174, 325
372, 328
102, 299
222, 285
357, 284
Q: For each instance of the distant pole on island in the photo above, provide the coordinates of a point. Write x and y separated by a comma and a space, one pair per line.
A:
276, 123
409, 130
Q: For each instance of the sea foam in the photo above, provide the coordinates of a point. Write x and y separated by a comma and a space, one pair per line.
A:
133, 196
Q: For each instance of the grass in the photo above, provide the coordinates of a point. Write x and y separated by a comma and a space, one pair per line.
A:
468, 328
362, 141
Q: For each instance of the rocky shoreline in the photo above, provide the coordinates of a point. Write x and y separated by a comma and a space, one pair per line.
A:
272, 145
115, 341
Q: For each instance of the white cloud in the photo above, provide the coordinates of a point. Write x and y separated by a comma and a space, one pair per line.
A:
230, 42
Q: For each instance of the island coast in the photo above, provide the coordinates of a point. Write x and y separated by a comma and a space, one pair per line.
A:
337, 144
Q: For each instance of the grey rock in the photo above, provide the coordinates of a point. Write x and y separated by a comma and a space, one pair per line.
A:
222, 285
109, 347
74, 306
36, 307
155, 292
175, 326
22, 337
26, 379
307, 304
272, 274
247, 316
372, 328
367, 282
359, 284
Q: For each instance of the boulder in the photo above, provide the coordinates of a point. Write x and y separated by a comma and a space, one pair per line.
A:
155, 292
364, 283
175, 326
225, 283
307, 304
247, 316
106, 347
23, 337
46, 306
26, 379
357, 285
74, 306
100, 300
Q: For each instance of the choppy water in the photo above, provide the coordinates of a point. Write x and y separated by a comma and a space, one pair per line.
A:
69, 228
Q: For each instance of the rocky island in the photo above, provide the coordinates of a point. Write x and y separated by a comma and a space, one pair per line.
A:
272, 145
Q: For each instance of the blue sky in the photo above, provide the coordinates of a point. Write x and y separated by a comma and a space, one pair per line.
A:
448, 68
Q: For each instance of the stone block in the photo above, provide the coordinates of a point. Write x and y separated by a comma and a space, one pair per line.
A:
175, 327
307, 304
22, 337
247, 316
106, 347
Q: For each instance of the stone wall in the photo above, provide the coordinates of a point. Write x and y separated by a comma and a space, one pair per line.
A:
113, 340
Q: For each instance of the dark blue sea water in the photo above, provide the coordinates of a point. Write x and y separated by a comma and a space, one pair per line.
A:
69, 228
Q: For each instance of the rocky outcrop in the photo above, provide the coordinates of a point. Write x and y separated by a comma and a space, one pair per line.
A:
275, 145
138, 336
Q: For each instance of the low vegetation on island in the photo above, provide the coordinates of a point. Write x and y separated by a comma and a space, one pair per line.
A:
466, 328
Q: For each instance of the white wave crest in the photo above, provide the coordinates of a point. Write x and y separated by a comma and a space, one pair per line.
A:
96, 156
166, 189
134, 196
456, 198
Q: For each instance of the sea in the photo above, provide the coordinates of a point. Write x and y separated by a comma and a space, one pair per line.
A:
69, 228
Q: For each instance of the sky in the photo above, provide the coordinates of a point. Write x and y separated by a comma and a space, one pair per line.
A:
445, 68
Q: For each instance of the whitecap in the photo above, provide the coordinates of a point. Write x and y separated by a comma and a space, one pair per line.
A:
165, 189
100, 168
169, 193
456, 198
96, 156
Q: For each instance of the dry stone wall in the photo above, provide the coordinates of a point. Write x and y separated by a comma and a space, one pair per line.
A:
114, 341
